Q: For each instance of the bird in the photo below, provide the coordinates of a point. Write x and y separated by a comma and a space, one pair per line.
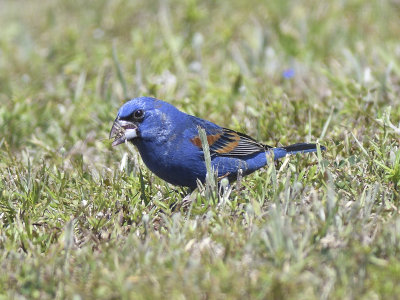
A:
170, 146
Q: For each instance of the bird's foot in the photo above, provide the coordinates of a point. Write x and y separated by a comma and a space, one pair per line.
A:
186, 201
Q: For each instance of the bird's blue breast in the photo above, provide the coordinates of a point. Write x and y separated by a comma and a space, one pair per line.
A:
184, 163
174, 163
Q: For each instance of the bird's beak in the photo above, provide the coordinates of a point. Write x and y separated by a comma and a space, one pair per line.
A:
122, 131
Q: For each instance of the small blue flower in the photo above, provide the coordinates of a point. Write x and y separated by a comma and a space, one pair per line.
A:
288, 73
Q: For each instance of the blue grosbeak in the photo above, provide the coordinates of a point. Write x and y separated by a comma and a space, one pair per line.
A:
169, 143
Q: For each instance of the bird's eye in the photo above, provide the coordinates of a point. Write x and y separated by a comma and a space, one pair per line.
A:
138, 114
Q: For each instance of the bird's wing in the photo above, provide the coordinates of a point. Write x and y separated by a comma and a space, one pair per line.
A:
227, 142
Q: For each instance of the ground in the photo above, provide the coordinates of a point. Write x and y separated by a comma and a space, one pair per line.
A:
80, 219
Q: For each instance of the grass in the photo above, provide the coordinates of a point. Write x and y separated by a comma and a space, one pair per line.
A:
81, 220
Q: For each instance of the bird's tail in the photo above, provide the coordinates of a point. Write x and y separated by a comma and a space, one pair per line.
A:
295, 148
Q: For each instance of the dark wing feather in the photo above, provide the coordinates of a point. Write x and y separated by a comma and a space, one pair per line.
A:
232, 143
227, 142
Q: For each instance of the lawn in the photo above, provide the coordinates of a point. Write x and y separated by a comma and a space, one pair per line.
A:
80, 219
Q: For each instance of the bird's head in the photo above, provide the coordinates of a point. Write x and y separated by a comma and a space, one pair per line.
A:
142, 118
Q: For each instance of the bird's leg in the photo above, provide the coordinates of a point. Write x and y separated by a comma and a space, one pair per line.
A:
185, 201
224, 191
239, 180
188, 199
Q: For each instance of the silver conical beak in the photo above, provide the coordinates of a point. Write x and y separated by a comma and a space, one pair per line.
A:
122, 131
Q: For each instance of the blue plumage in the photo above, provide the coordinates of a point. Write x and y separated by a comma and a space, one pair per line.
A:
168, 142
